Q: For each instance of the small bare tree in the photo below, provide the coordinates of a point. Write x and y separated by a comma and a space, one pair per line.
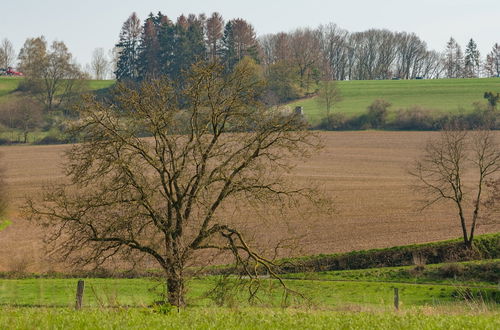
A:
7, 54
445, 173
22, 113
328, 97
99, 64
211, 146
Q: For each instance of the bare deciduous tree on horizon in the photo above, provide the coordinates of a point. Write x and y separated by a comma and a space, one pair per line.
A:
99, 64
7, 54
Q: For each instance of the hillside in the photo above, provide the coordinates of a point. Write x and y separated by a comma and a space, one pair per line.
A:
440, 95
9, 85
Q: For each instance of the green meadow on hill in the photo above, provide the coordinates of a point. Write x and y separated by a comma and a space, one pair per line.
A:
437, 95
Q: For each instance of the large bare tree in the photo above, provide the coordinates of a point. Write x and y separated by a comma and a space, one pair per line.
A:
456, 168
211, 146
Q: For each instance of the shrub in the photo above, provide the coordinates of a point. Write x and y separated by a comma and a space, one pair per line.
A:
377, 113
452, 270
4, 141
414, 118
54, 137
335, 121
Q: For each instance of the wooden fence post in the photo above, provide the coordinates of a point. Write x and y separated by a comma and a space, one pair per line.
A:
396, 299
79, 294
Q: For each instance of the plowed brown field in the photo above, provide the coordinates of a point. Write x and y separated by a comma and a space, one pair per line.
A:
365, 174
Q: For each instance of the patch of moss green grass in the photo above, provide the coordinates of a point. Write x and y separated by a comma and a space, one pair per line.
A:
243, 318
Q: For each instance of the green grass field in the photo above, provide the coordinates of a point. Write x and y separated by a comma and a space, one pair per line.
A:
9, 84
246, 318
440, 95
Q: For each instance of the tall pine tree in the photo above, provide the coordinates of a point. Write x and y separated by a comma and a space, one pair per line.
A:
127, 66
228, 52
238, 41
188, 46
472, 59
150, 50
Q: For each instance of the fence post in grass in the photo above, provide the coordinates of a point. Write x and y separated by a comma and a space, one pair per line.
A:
396, 299
79, 294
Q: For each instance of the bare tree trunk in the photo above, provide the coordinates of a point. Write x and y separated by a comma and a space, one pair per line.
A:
464, 226
175, 287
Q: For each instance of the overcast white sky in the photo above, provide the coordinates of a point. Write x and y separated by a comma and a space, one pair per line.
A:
87, 24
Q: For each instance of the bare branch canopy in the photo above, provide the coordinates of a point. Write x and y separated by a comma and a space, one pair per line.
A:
159, 163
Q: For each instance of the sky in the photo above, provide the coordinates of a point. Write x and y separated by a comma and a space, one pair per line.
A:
88, 24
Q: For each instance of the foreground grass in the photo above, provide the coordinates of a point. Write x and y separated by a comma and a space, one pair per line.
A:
439, 95
247, 318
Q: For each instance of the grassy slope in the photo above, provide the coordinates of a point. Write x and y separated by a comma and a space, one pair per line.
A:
248, 318
9, 84
442, 95
475, 273
486, 246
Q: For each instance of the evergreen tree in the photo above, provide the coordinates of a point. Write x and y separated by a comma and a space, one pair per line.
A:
238, 41
127, 66
188, 46
166, 40
150, 52
228, 51
472, 58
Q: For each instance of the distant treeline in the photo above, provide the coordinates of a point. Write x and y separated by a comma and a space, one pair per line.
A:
292, 61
